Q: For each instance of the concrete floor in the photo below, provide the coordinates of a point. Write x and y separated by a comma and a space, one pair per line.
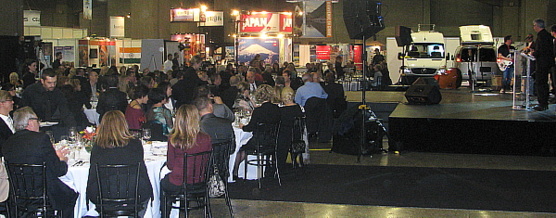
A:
256, 208
259, 208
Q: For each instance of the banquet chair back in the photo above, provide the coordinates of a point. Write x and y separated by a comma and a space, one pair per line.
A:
28, 190
195, 177
266, 139
221, 159
298, 145
118, 189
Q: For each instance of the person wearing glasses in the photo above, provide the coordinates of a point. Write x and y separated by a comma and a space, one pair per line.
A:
6, 123
30, 146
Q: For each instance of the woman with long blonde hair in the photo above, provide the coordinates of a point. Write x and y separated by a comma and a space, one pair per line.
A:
186, 137
114, 144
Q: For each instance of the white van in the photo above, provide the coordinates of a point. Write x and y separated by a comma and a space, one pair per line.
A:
425, 56
477, 54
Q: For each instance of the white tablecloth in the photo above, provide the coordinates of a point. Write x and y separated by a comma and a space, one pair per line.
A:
76, 178
241, 139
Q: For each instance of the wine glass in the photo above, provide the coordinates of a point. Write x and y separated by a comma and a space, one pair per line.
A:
72, 134
146, 134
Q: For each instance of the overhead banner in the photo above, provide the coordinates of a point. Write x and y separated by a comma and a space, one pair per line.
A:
88, 9
117, 27
185, 15
31, 18
318, 19
213, 18
266, 22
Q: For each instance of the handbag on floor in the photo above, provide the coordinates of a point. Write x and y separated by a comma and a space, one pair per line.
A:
215, 184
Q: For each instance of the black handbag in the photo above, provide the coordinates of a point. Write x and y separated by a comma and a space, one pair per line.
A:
298, 146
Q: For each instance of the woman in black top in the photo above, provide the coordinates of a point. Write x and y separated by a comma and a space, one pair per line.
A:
288, 113
267, 113
114, 144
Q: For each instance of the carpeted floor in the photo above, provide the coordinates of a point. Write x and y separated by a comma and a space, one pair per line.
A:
450, 188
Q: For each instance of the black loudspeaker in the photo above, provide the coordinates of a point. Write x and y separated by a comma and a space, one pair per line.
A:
424, 90
362, 18
403, 36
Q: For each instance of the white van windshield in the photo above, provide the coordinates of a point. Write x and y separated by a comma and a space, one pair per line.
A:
425, 50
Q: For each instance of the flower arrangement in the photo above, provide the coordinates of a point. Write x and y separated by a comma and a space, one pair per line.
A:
88, 134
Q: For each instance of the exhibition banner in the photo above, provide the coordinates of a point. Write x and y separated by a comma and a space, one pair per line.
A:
31, 18
268, 49
184, 15
213, 18
88, 9
117, 27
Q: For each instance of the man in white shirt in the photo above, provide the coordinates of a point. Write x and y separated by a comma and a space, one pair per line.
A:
168, 63
6, 123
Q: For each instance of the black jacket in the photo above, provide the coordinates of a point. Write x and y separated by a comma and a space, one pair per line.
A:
5, 133
266, 113
132, 153
48, 105
35, 148
111, 99
219, 129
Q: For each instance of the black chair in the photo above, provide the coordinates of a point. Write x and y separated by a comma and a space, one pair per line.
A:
265, 138
298, 131
28, 190
118, 190
194, 186
221, 159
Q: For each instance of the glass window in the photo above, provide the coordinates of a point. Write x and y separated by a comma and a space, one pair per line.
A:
426, 50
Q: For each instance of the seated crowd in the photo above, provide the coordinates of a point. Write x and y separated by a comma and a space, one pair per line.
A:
192, 108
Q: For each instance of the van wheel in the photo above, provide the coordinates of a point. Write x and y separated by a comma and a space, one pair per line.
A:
459, 79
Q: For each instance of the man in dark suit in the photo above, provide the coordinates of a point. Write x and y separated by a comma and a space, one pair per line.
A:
253, 84
112, 98
6, 123
49, 103
30, 146
544, 54
336, 98
219, 129
184, 90
229, 95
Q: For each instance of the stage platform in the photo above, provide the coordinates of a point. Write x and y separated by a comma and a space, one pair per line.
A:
465, 122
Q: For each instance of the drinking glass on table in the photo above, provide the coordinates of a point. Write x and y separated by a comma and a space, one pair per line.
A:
72, 134
147, 136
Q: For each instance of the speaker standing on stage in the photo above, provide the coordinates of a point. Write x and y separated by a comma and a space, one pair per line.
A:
544, 53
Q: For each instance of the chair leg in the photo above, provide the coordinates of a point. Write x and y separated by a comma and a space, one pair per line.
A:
227, 198
259, 168
277, 172
245, 167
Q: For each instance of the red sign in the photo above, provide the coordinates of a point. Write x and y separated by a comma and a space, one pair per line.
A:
357, 55
323, 52
267, 22
286, 22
